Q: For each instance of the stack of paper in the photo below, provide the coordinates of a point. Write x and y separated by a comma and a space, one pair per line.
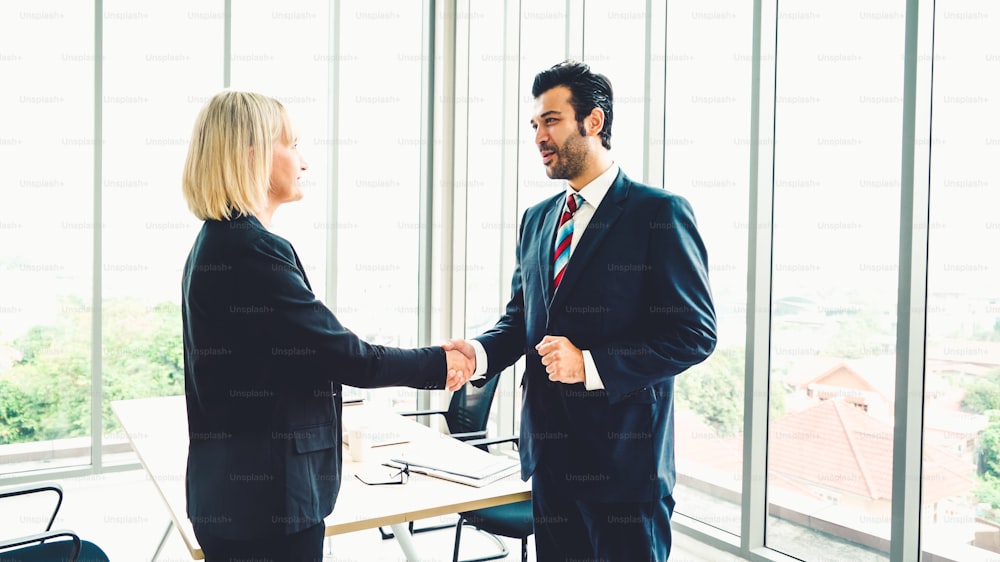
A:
451, 459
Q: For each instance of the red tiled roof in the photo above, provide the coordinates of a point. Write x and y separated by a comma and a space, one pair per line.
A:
831, 445
837, 446
870, 374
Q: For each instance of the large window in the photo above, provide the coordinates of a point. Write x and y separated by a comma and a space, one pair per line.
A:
614, 33
838, 118
63, 359
147, 229
263, 59
485, 172
960, 502
705, 159
376, 183
46, 234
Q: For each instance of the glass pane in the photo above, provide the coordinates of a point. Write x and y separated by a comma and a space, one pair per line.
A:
289, 62
154, 80
376, 184
543, 44
615, 46
46, 233
708, 82
961, 462
486, 179
835, 266
486, 293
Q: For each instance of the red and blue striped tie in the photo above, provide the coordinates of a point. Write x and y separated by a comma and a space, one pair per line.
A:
564, 238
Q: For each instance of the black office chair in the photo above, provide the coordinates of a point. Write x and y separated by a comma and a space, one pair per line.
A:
466, 416
514, 520
49, 545
467, 412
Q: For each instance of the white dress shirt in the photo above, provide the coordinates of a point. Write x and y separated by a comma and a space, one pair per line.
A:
593, 193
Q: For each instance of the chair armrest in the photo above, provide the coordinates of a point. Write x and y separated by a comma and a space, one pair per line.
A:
42, 537
35, 489
484, 443
469, 436
423, 412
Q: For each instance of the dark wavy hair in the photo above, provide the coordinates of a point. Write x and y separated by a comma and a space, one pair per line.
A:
587, 91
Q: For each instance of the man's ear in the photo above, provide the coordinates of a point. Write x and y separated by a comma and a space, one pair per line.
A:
595, 121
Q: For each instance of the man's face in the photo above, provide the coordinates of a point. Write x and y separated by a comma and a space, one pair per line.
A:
557, 135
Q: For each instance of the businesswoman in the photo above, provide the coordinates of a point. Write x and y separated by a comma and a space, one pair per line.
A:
264, 360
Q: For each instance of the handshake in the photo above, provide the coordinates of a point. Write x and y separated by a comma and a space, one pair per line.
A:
562, 360
461, 363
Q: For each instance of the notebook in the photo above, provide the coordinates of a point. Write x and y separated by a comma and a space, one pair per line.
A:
451, 459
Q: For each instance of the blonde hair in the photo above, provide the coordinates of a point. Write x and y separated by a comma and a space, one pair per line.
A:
228, 166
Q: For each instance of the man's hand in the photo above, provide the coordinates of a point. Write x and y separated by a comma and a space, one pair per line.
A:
563, 361
460, 369
464, 347
465, 350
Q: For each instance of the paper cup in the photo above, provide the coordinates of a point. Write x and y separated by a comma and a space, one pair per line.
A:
359, 442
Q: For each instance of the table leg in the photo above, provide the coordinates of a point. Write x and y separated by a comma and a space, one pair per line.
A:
405, 540
170, 525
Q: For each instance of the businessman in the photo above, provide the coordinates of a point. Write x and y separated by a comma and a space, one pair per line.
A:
610, 300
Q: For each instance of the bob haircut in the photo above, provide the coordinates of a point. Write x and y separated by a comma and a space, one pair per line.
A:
228, 166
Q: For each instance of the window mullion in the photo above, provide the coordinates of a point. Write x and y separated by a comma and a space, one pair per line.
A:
911, 303
760, 247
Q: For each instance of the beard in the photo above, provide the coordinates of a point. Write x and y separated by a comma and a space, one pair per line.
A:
570, 158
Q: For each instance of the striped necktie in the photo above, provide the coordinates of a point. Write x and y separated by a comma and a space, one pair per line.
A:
564, 238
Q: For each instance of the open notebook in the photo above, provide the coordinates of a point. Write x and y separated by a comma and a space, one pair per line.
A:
451, 459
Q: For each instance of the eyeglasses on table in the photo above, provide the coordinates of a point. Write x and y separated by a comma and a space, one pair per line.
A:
400, 475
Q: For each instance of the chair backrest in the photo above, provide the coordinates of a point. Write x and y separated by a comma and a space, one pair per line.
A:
60, 544
470, 407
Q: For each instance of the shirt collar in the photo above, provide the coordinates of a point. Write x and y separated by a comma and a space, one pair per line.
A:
595, 191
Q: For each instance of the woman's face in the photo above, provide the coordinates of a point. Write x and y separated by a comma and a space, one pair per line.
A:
287, 166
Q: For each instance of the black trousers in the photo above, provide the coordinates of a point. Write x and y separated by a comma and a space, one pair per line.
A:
304, 546
572, 529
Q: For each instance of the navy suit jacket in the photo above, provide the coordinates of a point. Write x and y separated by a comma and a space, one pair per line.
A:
264, 362
636, 295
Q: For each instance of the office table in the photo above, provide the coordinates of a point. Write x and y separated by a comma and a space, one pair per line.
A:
157, 430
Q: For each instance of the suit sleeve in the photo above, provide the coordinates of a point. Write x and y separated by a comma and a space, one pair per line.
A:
678, 325
303, 333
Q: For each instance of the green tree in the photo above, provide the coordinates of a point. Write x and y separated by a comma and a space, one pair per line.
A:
52, 381
16, 424
989, 448
983, 394
988, 466
859, 335
47, 394
143, 353
714, 390
988, 335
988, 492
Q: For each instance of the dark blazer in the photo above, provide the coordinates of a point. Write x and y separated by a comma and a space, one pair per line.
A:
636, 295
264, 362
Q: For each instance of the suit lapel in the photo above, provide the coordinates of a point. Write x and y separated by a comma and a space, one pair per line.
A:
600, 224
